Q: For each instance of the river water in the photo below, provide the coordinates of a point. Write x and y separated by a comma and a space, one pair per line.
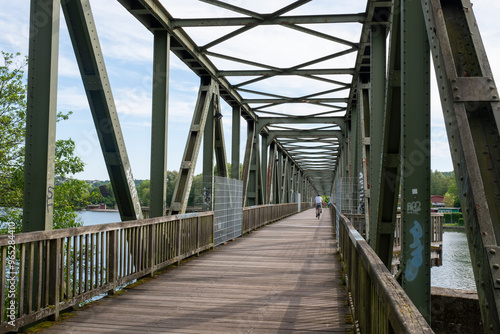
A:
456, 271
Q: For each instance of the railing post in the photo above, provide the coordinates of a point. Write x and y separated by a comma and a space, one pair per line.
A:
179, 233
152, 248
54, 278
198, 231
112, 260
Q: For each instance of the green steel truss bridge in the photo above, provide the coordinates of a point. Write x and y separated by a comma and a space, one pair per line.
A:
370, 116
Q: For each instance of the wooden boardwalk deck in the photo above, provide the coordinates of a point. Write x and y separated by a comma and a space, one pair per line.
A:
282, 278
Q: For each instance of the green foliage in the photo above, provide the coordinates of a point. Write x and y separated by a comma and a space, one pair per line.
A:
143, 192
440, 182
453, 218
69, 194
12, 122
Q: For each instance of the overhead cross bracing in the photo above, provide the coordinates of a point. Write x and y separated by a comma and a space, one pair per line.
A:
285, 62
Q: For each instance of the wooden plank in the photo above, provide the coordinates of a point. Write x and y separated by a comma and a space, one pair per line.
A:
283, 277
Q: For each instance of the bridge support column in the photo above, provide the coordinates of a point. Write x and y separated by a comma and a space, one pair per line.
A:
159, 124
263, 168
235, 140
38, 208
377, 105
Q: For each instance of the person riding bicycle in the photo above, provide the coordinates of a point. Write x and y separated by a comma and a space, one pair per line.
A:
319, 203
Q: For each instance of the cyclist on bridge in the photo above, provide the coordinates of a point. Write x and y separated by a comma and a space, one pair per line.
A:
319, 204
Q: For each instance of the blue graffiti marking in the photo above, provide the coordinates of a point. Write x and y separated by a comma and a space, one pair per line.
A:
415, 262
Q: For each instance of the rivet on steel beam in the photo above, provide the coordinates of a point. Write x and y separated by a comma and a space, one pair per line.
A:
495, 97
457, 97
496, 266
492, 251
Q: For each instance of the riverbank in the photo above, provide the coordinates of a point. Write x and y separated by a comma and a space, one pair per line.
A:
454, 228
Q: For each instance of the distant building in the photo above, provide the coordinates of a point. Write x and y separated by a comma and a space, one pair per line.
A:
437, 200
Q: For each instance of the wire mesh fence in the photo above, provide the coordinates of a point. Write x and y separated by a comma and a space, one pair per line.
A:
228, 209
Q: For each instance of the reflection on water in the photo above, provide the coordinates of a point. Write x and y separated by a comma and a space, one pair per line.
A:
456, 271
99, 217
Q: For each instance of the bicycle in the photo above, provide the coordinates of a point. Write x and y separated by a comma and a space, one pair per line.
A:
318, 212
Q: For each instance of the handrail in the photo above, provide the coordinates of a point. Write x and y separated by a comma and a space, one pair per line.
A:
260, 215
55, 270
380, 304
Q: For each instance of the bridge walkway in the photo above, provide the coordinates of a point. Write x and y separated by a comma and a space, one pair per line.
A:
282, 278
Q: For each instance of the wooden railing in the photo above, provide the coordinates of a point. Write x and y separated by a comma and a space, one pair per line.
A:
260, 215
380, 305
54, 270
358, 222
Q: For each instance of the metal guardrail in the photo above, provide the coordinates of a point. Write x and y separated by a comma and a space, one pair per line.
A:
43, 273
380, 304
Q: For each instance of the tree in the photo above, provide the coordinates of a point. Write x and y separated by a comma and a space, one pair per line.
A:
439, 183
69, 194
143, 192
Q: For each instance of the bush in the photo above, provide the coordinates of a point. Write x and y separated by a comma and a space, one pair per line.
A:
452, 218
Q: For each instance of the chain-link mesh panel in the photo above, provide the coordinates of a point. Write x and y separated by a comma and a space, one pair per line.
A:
228, 209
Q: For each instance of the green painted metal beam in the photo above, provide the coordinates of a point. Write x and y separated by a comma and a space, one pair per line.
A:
38, 206
470, 102
83, 34
247, 160
416, 158
377, 105
242, 21
235, 143
264, 166
208, 156
204, 106
325, 71
388, 192
364, 111
159, 124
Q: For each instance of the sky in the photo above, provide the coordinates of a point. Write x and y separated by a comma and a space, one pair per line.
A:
127, 49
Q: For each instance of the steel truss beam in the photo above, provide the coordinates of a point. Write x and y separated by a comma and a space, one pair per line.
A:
208, 94
416, 160
288, 20
154, 16
84, 38
469, 98
38, 206
159, 124
388, 190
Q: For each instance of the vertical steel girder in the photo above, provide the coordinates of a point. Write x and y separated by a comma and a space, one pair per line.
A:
235, 143
377, 104
255, 193
279, 178
213, 143
469, 99
416, 162
388, 191
271, 185
38, 207
208, 91
248, 159
90, 60
353, 140
364, 111
159, 124
208, 157
263, 167
284, 183
219, 147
